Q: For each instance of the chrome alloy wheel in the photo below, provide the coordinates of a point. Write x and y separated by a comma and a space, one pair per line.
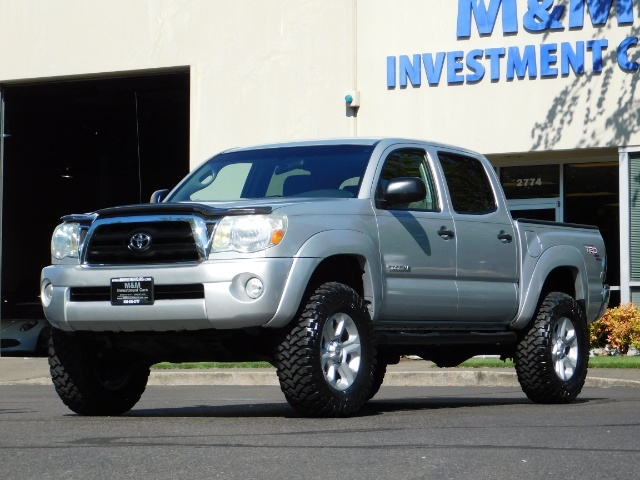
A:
340, 349
564, 348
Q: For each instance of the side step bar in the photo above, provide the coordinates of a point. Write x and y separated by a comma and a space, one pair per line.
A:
446, 338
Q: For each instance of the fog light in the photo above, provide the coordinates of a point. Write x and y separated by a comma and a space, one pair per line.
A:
47, 293
254, 287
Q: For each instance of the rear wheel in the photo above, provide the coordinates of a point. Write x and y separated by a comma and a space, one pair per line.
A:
327, 358
552, 359
94, 382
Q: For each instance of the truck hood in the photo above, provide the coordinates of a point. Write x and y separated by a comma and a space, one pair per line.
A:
296, 206
209, 209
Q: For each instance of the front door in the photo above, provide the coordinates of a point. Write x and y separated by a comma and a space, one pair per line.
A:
418, 247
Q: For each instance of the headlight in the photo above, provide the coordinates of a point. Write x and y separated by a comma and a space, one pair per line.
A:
64, 242
249, 233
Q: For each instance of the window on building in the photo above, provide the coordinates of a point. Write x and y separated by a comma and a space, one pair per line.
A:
469, 186
530, 181
591, 197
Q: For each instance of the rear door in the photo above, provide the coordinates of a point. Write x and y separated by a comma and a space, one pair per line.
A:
486, 251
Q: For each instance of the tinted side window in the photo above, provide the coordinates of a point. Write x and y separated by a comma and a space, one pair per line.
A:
410, 163
469, 186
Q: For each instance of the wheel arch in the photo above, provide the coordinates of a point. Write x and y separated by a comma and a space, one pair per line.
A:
562, 279
344, 256
559, 269
348, 269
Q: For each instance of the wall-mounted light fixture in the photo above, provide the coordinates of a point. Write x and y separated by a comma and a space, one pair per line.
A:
352, 98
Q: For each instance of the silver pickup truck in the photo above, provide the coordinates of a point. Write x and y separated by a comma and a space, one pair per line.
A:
330, 260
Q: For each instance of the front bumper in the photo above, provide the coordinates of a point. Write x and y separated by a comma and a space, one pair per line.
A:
224, 305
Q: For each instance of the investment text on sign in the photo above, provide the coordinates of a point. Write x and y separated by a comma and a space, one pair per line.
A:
546, 60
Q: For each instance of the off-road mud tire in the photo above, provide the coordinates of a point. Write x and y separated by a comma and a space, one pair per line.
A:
299, 356
90, 385
378, 378
542, 375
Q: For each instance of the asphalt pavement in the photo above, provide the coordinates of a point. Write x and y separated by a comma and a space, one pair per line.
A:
251, 432
408, 373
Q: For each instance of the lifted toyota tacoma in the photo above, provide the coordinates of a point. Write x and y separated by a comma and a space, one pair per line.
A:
330, 260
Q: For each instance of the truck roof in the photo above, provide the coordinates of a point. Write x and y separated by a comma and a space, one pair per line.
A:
348, 141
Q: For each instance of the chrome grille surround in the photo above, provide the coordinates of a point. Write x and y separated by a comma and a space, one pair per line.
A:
178, 239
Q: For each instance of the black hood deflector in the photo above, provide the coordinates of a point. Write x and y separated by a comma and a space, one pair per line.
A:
170, 208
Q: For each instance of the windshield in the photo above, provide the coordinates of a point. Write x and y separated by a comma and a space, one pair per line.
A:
312, 171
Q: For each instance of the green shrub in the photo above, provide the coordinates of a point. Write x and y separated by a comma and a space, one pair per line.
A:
619, 328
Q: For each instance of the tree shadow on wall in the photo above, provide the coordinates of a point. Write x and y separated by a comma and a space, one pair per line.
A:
624, 122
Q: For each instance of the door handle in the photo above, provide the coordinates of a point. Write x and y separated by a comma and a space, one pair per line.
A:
446, 233
504, 237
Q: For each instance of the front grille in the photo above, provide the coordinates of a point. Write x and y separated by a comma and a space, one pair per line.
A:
161, 292
171, 241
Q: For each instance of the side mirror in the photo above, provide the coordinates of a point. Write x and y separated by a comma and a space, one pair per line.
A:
158, 196
404, 190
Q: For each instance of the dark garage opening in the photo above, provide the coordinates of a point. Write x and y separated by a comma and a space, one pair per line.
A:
77, 146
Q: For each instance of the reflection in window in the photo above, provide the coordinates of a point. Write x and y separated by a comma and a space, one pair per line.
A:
228, 185
315, 171
469, 187
410, 163
276, 185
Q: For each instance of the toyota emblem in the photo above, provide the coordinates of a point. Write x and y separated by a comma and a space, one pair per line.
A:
139, 242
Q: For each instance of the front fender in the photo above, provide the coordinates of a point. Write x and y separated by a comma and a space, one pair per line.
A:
535, 274
317, 248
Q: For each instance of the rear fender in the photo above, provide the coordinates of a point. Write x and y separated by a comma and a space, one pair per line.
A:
531, 285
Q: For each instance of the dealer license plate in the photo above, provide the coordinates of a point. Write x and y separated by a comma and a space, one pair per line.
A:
132, 291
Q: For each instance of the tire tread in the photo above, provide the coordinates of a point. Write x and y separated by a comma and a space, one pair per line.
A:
534, 366
297, 358
77, 386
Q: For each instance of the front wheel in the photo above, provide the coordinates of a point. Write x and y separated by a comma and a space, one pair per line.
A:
326, 361
93, 382
551, 360
378, 378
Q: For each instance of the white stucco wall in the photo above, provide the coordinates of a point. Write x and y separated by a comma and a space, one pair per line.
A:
270, 70
578, 111
261, 71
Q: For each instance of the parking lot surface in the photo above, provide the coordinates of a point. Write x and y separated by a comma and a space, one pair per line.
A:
251, 432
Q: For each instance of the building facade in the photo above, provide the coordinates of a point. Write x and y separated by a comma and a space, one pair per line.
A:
545, 88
